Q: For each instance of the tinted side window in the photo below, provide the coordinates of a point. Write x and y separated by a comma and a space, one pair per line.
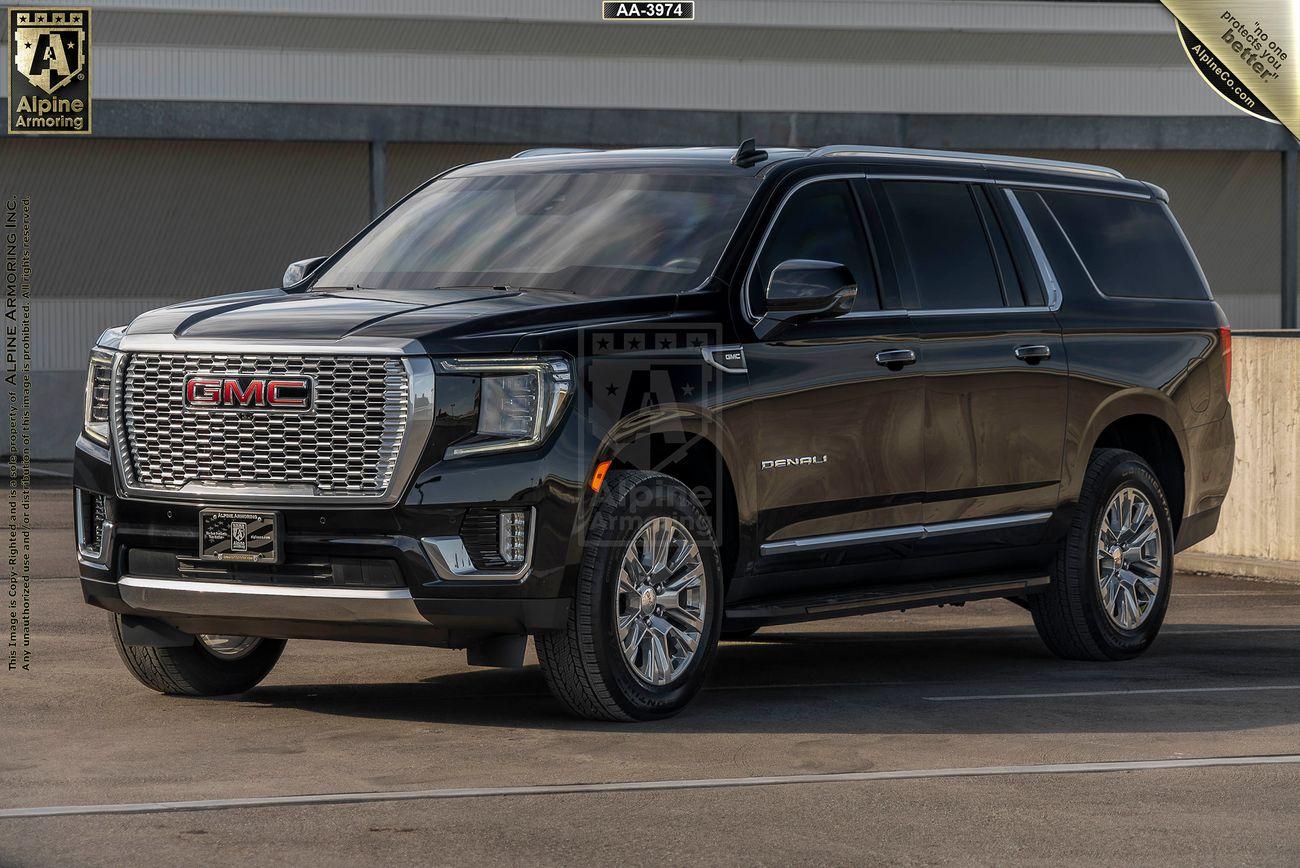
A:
1023, 254
1067, 268
997, 237
945, 245
1129, 246
820, 221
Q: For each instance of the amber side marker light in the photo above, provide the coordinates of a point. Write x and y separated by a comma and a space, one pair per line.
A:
598, 478
1225, 342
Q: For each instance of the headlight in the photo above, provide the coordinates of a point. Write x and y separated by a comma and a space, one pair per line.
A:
520, 401
99, 387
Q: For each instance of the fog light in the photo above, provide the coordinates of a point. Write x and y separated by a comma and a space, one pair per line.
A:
512, 536
91, 519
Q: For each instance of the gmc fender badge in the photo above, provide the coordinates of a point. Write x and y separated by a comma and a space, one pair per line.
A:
729, 359
802, 461
233, 393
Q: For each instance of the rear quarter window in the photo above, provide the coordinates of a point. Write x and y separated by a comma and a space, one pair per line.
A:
1131, 247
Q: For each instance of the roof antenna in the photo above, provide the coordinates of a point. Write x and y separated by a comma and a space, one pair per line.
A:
747, 155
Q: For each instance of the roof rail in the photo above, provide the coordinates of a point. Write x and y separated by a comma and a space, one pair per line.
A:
964, 157
547, 152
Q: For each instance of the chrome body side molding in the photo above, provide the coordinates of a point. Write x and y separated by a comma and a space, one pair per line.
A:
899, 534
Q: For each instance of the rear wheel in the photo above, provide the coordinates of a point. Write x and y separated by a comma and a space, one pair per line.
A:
1112, 579
645, 619
211, 666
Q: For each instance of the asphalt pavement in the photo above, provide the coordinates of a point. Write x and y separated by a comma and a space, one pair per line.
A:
933, 736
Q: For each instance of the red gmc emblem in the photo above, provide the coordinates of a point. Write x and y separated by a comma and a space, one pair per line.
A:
218, 392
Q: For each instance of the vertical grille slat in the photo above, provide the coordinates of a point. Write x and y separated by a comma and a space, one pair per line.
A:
346, 444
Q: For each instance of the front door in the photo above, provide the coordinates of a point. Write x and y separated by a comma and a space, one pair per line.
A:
834, 436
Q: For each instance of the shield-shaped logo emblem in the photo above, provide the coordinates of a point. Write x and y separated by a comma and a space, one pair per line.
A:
51, 53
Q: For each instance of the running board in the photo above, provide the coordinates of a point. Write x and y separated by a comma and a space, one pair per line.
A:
883, 599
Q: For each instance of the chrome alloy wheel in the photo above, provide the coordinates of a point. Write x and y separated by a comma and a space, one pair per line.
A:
662, 600
229, 647
1129, 558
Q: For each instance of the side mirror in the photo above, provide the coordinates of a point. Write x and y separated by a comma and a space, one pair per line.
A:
806, 289
300, 269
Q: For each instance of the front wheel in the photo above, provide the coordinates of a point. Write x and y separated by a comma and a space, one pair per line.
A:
1113, 576
647, 610
210, 666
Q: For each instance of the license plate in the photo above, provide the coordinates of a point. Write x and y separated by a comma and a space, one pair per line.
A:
249, 537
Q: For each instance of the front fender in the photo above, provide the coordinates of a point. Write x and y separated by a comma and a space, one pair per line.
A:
653, 439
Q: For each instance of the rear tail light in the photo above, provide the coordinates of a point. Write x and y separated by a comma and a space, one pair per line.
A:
1225, 344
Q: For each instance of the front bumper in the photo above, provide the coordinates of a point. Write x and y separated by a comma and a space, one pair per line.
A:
431, 593
361, 615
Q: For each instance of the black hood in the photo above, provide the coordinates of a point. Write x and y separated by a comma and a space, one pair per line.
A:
444, 320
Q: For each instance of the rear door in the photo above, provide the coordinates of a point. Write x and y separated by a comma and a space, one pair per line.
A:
992, 359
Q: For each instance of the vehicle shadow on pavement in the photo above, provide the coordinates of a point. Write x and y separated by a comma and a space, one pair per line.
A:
1206, 678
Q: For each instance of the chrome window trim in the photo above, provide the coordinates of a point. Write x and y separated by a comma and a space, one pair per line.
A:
452, 563
419, 425
746, 308
1054, 294
901, 533
1053, 286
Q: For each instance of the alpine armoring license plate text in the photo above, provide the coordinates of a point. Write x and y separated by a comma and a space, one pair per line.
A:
247, 537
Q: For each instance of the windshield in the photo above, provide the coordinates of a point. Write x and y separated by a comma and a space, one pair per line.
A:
592, 234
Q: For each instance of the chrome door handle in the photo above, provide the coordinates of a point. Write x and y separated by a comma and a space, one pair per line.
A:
1033, 354
896, 359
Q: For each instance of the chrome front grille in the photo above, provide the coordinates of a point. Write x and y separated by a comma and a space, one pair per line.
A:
346, 445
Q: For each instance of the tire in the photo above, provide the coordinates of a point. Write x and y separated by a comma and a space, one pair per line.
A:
584, 663
739, 634
194, 670
1071, 614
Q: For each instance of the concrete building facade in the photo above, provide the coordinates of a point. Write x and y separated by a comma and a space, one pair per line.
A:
233, 136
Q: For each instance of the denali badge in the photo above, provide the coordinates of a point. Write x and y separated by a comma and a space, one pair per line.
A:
218, 392
773, 463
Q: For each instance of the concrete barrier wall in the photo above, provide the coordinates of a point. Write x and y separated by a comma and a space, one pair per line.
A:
1259, 530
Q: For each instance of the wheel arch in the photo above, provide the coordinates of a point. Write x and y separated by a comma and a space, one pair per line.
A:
690, 445
1146, 426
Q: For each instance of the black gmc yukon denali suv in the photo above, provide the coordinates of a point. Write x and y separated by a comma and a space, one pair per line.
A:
635, 403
